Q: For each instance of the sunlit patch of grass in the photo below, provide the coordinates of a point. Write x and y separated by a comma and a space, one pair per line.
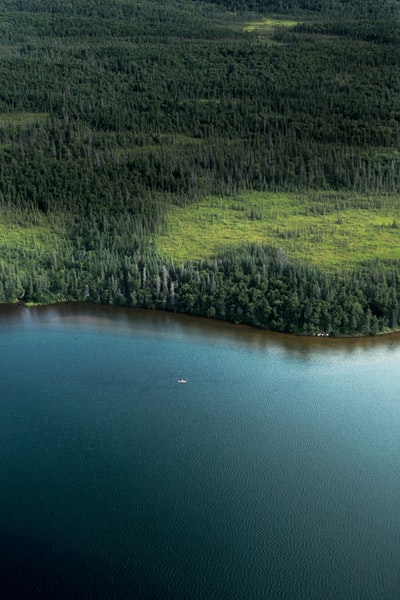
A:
30, 233
268, 25
18, 237
24, 119
314, 230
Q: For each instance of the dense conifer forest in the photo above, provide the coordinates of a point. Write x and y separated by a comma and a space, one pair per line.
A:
115, 114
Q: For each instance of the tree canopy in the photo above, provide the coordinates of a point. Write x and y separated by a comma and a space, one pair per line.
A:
113, 112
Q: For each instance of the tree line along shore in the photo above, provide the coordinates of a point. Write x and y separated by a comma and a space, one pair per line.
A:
117, 117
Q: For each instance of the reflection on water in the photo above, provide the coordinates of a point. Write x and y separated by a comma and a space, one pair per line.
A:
273, 474
174, 326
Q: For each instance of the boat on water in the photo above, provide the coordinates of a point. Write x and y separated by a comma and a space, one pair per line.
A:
182, 380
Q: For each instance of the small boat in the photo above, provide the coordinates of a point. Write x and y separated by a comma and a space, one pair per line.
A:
182, 380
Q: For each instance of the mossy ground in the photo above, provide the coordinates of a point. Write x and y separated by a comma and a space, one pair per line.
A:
331, 231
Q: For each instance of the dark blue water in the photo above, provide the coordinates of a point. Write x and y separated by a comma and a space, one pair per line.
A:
273, 473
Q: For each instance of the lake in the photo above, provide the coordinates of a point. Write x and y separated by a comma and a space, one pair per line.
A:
272, 473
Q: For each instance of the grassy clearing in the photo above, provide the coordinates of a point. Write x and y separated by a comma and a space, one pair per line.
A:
268, 25
25, 238
20, 119
327, 231
30, 236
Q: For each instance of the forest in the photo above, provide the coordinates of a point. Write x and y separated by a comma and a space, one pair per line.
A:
277, 120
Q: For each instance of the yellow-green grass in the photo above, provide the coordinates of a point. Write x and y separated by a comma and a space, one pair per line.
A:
24, 119
27, 238
268, 25
310, 229
33, 237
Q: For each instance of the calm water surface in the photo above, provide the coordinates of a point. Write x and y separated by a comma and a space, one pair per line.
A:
273, 473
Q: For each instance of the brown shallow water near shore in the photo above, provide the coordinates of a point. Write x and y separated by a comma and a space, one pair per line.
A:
274, 473
154, 323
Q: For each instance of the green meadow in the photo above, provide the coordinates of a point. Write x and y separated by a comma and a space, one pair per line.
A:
268, 25
22, 237
326, 229
20, 119
25, 240
132, 133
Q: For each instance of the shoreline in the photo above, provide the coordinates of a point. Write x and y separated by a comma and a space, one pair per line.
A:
89, 308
